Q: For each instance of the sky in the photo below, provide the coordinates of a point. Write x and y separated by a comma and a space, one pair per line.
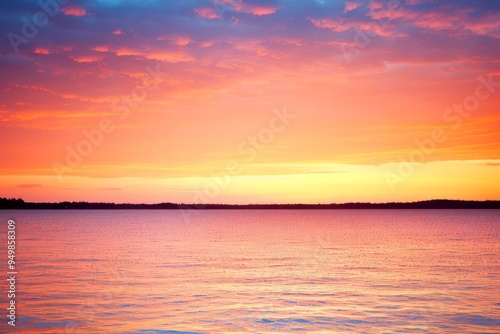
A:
249, 101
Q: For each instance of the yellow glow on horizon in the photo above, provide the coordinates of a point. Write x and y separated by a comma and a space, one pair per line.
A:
298, 183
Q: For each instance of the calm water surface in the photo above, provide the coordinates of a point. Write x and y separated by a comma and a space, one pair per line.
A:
368, 271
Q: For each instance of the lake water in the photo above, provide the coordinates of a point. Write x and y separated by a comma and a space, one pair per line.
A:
367, 271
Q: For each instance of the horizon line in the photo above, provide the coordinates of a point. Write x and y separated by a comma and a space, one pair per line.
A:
13, 203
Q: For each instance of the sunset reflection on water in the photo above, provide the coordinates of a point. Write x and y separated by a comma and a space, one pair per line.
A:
371, 271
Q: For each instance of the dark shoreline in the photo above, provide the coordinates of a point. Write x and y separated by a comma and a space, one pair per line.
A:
19, 204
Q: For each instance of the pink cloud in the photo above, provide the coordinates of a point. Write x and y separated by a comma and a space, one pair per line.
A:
262, 10
73, 10
207, 12
257, 10
351, 5
341, 25
86, 59
177, 40
127, 52
334, 25
458, 21
206, 44
374, 5
489, 25
182, 41
101, 49
42, 51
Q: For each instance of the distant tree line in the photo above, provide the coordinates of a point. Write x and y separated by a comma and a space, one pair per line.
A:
12, 203
19, 204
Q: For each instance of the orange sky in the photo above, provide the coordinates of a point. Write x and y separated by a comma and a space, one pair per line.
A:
251, 101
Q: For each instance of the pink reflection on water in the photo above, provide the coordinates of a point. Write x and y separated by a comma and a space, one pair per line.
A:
258, 271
